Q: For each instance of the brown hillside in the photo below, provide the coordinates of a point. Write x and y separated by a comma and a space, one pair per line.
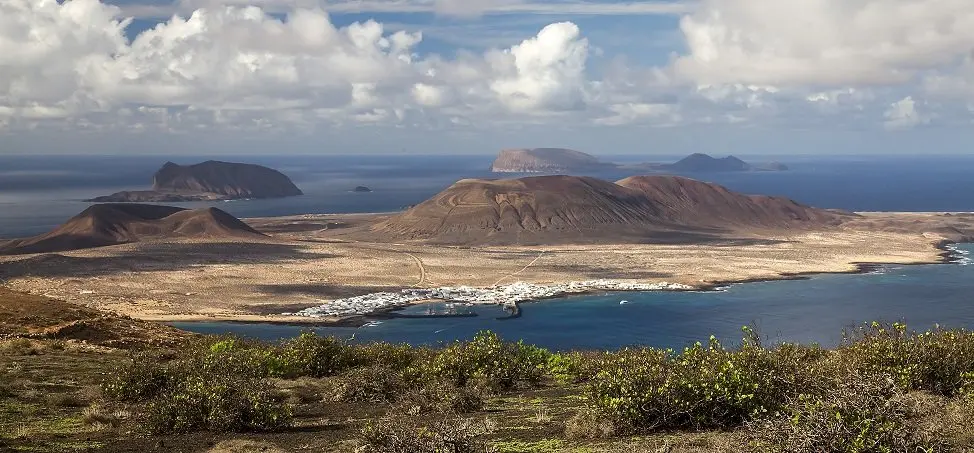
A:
110, 224
29, 316
563, 209
686, 201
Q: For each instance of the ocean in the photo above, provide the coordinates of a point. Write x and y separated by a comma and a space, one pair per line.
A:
39, 192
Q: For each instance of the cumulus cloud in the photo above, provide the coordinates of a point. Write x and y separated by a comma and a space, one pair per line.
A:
544, 72
903, 114
219, 67
50, 51
823, 42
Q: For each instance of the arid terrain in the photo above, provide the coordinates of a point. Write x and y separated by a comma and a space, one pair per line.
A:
305, 261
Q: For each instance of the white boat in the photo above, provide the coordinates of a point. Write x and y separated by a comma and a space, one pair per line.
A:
623, 302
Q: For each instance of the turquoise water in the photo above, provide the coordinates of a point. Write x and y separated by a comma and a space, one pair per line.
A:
812, 310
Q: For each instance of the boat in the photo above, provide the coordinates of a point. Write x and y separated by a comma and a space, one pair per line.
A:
623, 302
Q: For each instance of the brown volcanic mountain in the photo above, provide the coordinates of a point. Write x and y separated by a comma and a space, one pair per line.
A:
563, 209
110, 224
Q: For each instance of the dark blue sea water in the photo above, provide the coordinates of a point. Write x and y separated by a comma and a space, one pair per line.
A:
809, 311
39, 192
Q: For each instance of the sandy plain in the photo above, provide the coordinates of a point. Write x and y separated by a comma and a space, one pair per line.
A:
308, 260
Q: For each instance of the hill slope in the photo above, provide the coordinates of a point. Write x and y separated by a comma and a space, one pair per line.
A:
689, 202
110, 224
562, 209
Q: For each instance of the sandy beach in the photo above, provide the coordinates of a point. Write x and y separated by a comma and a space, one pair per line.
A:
306, 263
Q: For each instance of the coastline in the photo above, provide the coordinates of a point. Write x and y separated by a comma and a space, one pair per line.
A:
947, 255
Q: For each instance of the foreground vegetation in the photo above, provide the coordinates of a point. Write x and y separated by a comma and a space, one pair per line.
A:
885, 389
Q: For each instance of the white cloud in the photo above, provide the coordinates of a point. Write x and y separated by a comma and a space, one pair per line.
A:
823, 42
544, 72
461, 8
467, 8
630, 113
221, 68
903, 114
48, 51
429, 95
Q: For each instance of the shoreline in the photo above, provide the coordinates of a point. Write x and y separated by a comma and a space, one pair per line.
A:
947, 255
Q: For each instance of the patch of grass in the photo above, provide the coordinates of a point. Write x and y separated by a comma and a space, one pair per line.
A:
540, 446
64, 400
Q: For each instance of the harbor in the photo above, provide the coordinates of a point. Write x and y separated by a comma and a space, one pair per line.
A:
507, 295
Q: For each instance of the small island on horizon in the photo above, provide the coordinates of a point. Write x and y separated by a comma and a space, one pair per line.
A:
561, 160
208, 181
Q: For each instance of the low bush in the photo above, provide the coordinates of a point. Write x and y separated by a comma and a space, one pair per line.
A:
400, 434
195, 402
375, 384
390, 355
139, 378
938, 361
702, 387
314, 355
214, 385
868, 414
443, 397
574, 367
501, 364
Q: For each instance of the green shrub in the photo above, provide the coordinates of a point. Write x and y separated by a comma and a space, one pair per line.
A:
375, 384
868, 414
702, 387
504, 365
937, 361
390, 355
216, 403
400, 434
313, 355
216, 385
137, 379
443, 397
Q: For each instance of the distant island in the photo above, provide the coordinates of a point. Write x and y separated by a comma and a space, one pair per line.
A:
546, 160
560, 160
208, 181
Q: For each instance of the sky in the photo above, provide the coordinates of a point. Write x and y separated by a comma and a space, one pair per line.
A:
474, 76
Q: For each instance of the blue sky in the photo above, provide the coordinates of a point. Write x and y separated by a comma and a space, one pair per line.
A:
472, 76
